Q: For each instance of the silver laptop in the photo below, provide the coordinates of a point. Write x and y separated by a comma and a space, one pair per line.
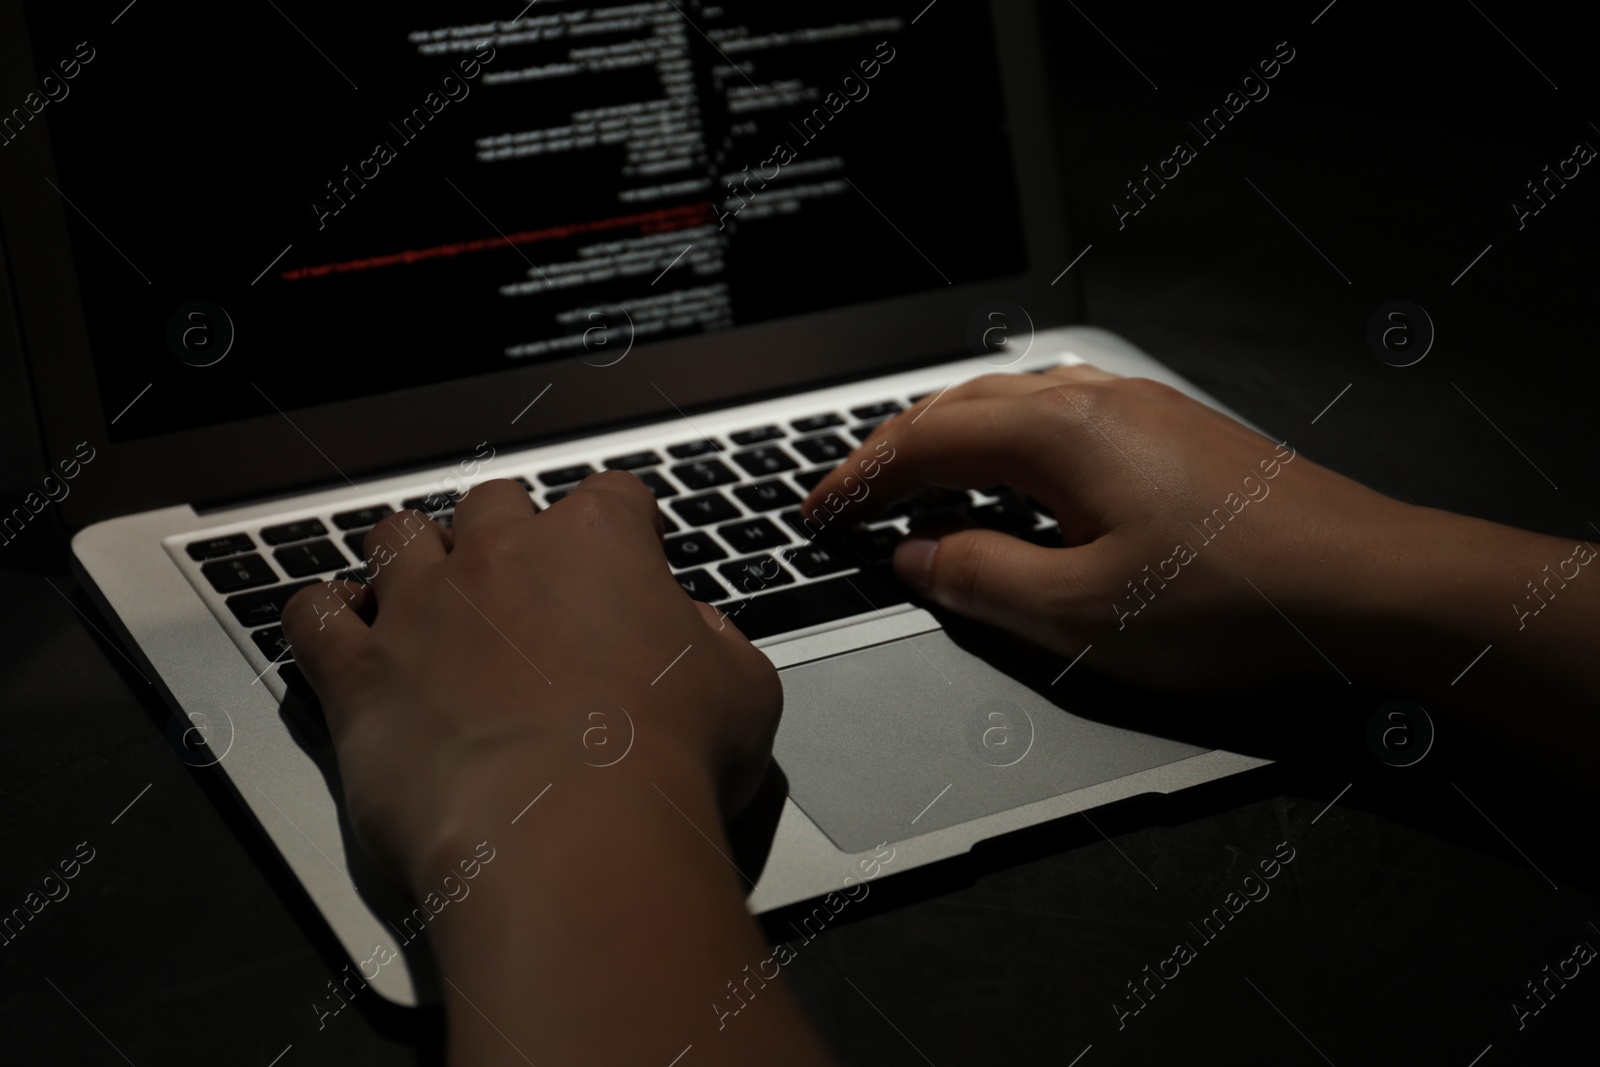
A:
273, 291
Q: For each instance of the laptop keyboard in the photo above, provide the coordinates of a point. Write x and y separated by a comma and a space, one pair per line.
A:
735, 537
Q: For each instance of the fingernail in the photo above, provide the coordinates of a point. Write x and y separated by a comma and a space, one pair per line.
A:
913, 561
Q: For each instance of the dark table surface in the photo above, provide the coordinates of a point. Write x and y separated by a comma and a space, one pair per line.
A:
1417, 906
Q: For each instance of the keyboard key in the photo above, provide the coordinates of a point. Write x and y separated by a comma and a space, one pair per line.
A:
692, 550
900, 510
633, 461
433, 503
524, 483
296, 681
215, 547
566, 475
809, 480
877, 412
766, 496
763, 461
802, 529
264, 607
313, 557
705, 509
362, 518
552, 497
272, 644
289, 532
1008, 513
1049, 537
757, 435
815, 603
918, 397
354, 542
241, 572
692, 449
704, 474
752, 535
701, 586
825, 449
864, 431
755, 574
815, 423
656, 484
814, 561
875, 546
935, 501
667, 525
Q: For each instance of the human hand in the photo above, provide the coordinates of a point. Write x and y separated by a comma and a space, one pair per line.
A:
492, 644
1189, 539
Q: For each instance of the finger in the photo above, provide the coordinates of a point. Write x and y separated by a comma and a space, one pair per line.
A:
400, 544
992, 385
968, 444
633, 500
998, 579
661, 526
489, 505
324, 628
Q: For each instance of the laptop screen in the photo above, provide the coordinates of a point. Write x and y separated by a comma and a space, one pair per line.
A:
324, 202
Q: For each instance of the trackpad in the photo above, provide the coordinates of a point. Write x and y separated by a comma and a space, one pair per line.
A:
916, 735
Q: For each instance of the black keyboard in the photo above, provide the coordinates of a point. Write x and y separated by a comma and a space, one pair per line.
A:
736, 537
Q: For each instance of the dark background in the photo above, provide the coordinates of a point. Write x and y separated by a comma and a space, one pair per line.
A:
1406, 923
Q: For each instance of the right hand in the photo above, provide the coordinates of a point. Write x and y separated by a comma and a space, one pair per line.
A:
1169, 511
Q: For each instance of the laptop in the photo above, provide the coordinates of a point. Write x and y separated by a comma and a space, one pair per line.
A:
271, 277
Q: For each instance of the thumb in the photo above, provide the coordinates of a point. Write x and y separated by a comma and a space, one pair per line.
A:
989, 576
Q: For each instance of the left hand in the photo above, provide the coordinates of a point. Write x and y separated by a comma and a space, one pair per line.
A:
493, 643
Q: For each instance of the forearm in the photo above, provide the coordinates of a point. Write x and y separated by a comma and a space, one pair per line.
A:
608, 927
1414, 610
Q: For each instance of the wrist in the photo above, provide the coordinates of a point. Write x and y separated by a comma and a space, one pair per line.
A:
614, 898
508, 785
1419, 592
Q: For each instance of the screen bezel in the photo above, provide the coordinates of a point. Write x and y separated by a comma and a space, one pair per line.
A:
268, 455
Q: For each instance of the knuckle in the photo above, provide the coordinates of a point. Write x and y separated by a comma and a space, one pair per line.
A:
615, 488
1150, 387
405, 524
392, 533
1081, 401
982, 385
501, 483
589, 508
307, 611
622, 481
497, 542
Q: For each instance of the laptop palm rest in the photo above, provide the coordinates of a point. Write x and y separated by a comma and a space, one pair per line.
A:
904, 738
